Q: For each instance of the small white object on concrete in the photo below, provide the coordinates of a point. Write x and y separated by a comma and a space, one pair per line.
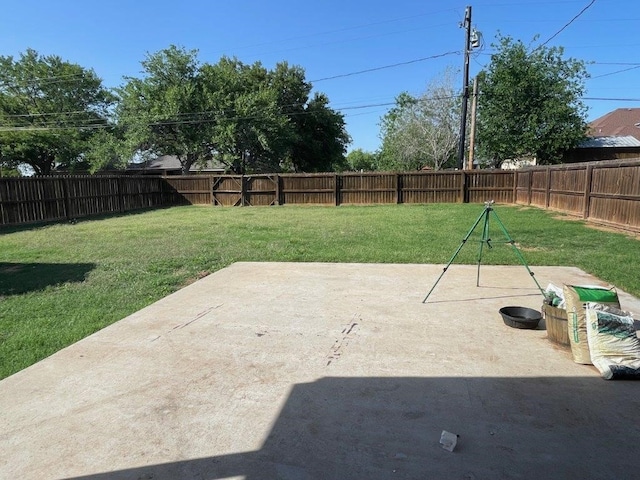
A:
448, 440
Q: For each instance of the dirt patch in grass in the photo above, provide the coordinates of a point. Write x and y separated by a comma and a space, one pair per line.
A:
600, 226
605, 228
200, 275
531, 249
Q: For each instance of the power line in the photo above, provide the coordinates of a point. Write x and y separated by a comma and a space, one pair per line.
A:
204, 116
567, 24
517, 4
353, 39
48, 114
615, 63
372, 112
383, 67
345, 29
616, 72
89, 74
53, 128
61, 78
633, 66
457, 52
611, 99
186, 121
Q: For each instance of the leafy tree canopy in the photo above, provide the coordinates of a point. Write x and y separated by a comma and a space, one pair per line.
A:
422, 131
321, 138
248, 128
530, 104
49, 111
360, 160
248, 117
161, 113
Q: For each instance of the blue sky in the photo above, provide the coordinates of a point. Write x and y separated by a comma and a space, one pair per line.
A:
330, 38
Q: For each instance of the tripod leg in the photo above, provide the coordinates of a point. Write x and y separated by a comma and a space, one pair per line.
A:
464, 240
518, 253
485, 238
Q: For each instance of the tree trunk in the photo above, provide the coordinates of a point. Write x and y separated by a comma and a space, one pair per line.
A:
186, 162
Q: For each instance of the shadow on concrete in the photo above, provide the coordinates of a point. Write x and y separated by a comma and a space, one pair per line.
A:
19, 278
475, 299
382, 428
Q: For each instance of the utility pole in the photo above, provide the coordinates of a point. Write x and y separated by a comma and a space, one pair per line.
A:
472, 130
465, 86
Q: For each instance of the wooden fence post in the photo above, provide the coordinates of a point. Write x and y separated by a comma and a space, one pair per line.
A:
398, 186
120, 194
243, 191
336, 189
529, 187
67, 198
548, 189
514, 190
463, 186
278, 188
587, 191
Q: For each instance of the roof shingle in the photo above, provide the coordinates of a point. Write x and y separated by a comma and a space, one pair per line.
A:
618, 123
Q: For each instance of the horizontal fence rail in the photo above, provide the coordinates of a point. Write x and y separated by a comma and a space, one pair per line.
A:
603, 192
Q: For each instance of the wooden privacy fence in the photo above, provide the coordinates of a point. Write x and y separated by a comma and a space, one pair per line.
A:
364, 188
603, 192
43, 199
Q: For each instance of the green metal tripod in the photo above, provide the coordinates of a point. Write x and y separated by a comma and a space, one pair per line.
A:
486, 213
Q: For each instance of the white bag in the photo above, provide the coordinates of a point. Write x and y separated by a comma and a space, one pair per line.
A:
613, 343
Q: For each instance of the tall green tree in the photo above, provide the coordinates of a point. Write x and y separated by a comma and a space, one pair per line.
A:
165, 111
49, 111
322, 138
106, 150
248, 130
318, 137
530, 104
269, 122
422, 131
246, 116
360, 160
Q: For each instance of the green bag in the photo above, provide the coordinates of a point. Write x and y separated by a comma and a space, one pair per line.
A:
576, 297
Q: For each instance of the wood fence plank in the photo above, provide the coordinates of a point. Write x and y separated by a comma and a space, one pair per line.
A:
587, 191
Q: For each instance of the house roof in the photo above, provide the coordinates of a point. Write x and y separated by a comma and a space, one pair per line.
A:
610, 142
619, 123
166, 163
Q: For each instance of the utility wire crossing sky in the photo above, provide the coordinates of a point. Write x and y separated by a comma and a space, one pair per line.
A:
361, 55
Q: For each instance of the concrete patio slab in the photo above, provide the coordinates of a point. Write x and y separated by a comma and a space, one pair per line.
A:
323, 371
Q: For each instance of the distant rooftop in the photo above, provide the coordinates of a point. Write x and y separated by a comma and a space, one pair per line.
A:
170, 163
610, 142
621, 122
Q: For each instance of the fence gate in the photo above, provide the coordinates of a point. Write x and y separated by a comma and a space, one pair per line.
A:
227, 190
261, 190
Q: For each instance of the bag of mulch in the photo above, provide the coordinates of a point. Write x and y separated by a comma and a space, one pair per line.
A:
575, 297
614, 345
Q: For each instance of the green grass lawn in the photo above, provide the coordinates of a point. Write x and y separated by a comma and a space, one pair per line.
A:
60, 283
